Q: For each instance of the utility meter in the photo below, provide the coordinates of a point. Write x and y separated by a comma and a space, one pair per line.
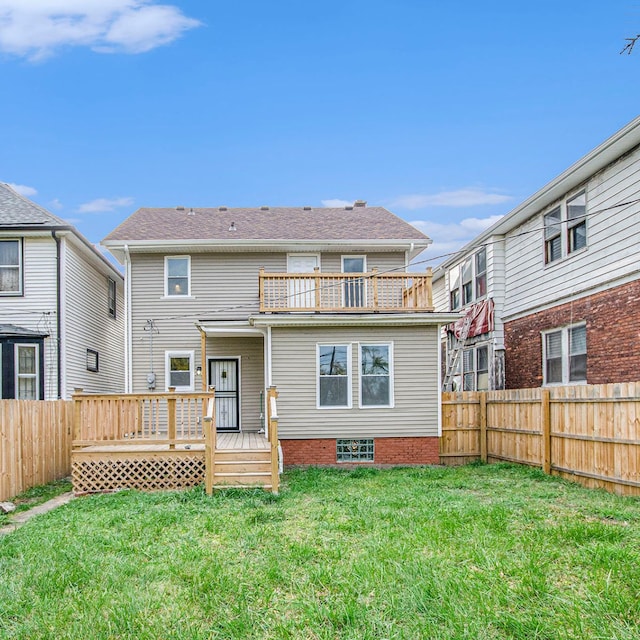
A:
151, 380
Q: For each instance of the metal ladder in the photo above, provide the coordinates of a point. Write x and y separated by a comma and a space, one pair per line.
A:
456, 351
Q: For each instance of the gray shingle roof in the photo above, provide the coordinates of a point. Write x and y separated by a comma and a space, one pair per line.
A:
275, 223
11, 330
16, 210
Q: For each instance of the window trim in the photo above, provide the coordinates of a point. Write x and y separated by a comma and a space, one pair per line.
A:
391, 404
177, 296
20, 267
167, 369
349, 377
566, 355
17, 375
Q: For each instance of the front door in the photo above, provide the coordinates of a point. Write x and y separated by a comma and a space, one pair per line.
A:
301, 291
224, 375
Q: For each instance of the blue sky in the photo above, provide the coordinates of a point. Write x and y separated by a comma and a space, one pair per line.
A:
449, 114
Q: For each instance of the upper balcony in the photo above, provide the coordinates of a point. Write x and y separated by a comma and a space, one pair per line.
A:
345, 292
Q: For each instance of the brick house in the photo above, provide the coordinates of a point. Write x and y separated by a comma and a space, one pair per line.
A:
560, 274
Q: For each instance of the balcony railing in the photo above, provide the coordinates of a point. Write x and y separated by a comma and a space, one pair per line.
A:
345, 292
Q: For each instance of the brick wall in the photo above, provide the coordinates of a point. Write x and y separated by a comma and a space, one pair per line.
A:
613, 338
387, 451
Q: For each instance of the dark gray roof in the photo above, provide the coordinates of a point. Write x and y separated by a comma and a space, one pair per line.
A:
11, 330
273, 223
16, 210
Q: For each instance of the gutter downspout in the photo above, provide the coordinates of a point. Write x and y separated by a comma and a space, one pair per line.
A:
56, 239
128, 374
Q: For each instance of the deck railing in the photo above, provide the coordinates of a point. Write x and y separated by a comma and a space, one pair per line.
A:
350, 292
144, 418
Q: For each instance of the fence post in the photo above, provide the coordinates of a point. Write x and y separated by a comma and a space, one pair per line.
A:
210, 444
483, 426
171, 417
546, 430
77, 431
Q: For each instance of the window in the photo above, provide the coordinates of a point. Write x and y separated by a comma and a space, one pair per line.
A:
26, 363
552, 236
468, 281
454, 288
573, 214
177, 275
565, 355
10, 267
475, 367
179, 370
375, 375
112, 297
481, 273
334, 376
577, 223
92, 360
354, 450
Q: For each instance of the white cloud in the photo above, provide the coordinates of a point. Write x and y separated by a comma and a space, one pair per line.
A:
103, 205
36, 29
336, 203
56, 204
23, 189
470, 197
450, 237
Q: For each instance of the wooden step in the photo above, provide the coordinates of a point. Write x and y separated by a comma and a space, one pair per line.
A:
242, 466
255, 479
242, 455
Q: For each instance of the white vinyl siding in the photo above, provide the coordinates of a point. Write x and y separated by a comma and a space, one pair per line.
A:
88, 325
415, 383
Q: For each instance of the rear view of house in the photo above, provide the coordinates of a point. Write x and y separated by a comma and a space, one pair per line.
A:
61, 307
317, 303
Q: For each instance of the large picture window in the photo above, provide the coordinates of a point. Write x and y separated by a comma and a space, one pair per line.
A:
334, 376
375, 375
10, 267
177, 275
565, 355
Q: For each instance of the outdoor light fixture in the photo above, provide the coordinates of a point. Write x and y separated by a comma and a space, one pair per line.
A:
198, 371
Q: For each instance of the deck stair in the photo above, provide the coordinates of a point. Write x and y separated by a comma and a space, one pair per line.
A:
242, 468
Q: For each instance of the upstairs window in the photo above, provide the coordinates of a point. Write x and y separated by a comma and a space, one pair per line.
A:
468, 281
10, 267
565, 355
572, 215
111, 296
177, 271
577, 223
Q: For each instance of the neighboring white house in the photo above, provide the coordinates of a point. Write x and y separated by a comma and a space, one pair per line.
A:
559, 280
317, 302
61, 307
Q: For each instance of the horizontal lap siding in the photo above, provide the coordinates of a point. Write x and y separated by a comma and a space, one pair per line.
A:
90, 326
251, 353
36, 309
612, 253
332, 262
415, 354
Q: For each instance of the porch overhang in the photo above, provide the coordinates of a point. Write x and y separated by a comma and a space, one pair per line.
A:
352, 320
228, 329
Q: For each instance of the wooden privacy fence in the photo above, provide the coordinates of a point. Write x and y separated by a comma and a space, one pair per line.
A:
35, 443
590, 434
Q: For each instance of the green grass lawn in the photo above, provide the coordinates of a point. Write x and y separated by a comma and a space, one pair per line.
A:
470, 552
35, 496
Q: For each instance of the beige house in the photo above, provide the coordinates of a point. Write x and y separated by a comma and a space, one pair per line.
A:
316, 302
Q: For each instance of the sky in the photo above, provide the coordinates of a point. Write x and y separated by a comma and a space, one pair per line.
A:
448, 114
